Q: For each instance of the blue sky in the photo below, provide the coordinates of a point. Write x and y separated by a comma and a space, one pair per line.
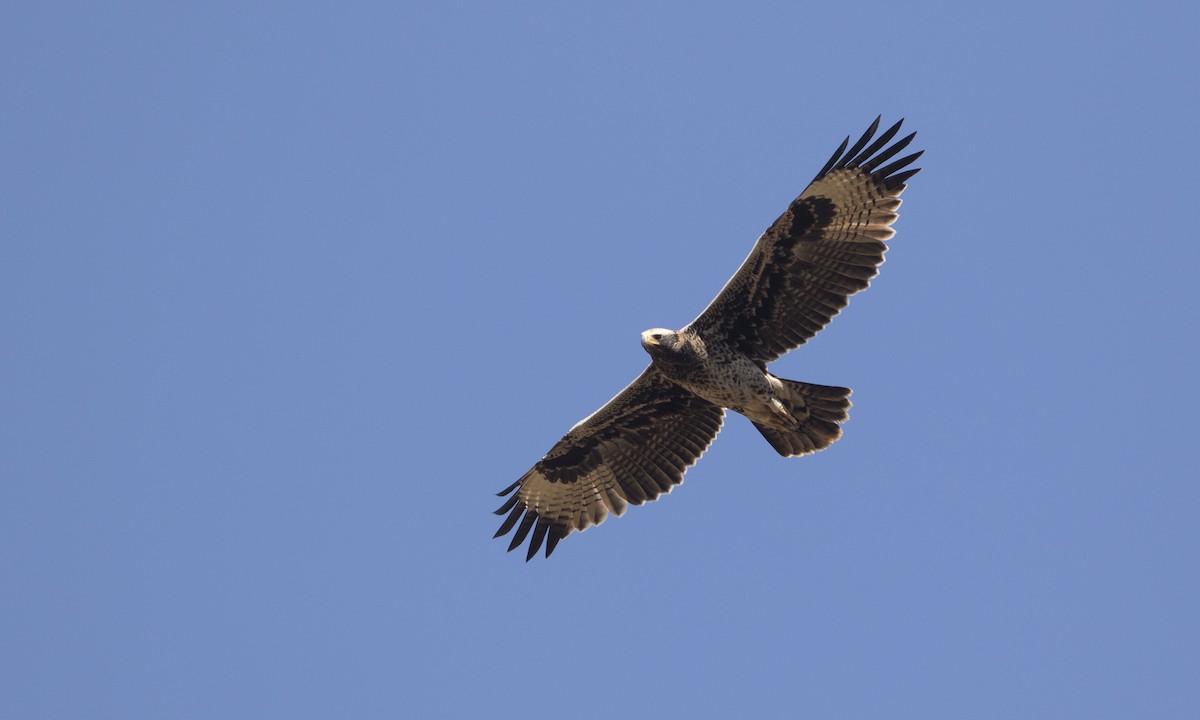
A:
290, 290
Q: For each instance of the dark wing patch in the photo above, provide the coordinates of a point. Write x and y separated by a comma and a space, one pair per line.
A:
630, 451
825, 247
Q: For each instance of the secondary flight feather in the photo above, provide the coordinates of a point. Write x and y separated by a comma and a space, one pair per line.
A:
825, 247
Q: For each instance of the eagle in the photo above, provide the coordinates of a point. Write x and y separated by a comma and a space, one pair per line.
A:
825, 247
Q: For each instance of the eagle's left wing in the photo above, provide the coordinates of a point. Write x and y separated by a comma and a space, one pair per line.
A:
825, 247
631, 450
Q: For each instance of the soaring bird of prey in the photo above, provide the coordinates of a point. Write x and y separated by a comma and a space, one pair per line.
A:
825, 247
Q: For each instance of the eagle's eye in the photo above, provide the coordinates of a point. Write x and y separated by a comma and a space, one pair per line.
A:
657, 336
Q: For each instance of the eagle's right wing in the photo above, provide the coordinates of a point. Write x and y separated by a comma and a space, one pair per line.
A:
825, 247
631, 450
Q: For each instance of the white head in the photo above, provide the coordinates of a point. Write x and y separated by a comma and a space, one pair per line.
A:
658, 339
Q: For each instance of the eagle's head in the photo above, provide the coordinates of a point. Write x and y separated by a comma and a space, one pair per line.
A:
658, 340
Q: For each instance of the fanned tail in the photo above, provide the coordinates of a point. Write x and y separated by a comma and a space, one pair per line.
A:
819, 408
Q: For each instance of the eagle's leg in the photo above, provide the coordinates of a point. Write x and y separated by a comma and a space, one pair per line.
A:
813, 414
773, 412
783, 414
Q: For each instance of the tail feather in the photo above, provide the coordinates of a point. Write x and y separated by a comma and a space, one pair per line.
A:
819, 408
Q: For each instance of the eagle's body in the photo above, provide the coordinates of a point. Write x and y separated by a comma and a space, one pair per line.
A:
826, 246
723, 376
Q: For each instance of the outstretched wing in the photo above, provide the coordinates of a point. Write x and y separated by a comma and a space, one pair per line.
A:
823, 249
631, 450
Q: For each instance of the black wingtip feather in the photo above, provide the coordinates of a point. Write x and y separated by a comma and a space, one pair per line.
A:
539, 534
522, 531
898, 180
862, 141
510, 521
887, 154
899, 164
837, 154
874, 147
552, 539
509, 489
508, 505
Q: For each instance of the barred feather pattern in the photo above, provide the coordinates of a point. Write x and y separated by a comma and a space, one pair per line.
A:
825, 247
629, 452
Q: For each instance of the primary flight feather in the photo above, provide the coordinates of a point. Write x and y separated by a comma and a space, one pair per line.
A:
825, 247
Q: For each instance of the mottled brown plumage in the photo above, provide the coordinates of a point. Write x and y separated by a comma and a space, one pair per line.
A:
826, 246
